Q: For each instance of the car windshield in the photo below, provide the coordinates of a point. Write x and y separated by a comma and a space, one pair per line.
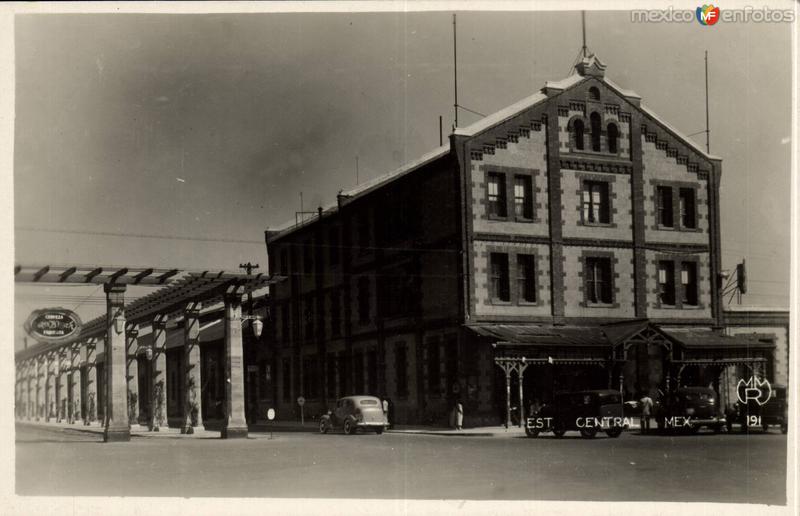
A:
368, 402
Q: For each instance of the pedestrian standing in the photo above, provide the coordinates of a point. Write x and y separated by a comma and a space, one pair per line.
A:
646, 403
459, 415
385, 403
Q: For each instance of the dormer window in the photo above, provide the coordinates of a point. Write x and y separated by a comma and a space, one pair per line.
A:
578, 130
594, 120
594, 93
613, 136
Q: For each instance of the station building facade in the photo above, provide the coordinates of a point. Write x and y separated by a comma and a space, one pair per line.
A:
569, 241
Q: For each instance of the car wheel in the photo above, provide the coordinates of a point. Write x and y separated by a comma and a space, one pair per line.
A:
323, 427
531, 432
614, 432
559, 431
765, 427
379, 430
348, 427
588, 433
694, 428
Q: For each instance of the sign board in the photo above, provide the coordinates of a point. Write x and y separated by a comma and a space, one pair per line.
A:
301, 401
759, 391
53, 325
271, 414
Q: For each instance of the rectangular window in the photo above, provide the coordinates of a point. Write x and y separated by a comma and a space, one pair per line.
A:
308, 317
688, 211
434, 366
308, 261
666, 282
336, 314
363, 300
362, 230
401, 368
689, 283
372, 373
497, 195
331, 376
310, 377
286, 331
358, 371
598, 280
523, 197
526, 278
287, 380
284, 262
499, 277
343, 366
664, 206
333, 246
596, 209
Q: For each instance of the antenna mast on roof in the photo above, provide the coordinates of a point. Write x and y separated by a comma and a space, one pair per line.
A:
583, 28
356, 169
708, 130
455, 74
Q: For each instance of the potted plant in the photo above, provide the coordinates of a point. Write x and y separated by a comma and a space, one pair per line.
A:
158, 404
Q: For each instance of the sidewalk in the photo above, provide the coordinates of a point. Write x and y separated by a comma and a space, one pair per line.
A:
262, 428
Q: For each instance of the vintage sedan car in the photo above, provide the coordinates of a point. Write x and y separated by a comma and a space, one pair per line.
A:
353, 413
752, 415
688, 409
588, 412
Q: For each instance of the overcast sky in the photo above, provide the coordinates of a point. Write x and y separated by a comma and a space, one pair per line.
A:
209, 126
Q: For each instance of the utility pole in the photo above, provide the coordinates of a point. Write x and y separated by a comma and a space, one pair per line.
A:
248, 267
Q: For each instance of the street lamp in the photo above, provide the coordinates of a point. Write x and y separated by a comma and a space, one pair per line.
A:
257, 325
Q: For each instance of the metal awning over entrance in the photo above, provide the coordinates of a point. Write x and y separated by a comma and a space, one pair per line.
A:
518, 346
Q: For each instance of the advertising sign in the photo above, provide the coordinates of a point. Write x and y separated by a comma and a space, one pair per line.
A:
53, 325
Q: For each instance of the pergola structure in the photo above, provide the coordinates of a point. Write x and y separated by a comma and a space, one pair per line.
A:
609, 346
118, 328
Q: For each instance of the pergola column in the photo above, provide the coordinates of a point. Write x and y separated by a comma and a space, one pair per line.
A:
158, 378
88, 357
76, 384
48, 387
520, 372
507, 366
116, 410
62, 372
235, 424
132, 372
191, 346
28, 390
39, 384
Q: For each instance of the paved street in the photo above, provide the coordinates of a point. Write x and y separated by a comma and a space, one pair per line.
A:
705, 467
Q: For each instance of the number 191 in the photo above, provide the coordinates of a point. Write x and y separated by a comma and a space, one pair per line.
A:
753, 420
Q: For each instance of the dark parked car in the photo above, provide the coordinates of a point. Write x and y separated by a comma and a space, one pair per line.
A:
689, 409
752, 415
588, 412
353, 413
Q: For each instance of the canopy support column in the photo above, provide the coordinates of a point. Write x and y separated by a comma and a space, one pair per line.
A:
116, 411
235, 425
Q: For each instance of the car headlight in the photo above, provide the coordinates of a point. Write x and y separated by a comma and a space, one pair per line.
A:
690, 411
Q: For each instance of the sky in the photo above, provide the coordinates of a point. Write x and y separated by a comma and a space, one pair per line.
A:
176, 140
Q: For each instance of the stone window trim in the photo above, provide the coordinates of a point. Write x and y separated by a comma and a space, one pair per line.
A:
510, 173
612, 198
677, 220
515, 297
614, 261
677, 260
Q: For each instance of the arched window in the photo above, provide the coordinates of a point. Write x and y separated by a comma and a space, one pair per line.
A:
578, 130
594, 120
613, 135
594, 93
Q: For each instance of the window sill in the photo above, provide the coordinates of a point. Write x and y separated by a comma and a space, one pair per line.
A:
524, 220
599, 305
498, 302
598, 224
528, 303
497, 218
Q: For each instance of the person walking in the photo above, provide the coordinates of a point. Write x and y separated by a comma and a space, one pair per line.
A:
646, 403
459, 415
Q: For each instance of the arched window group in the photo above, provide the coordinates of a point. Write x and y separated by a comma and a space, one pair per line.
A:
596, 134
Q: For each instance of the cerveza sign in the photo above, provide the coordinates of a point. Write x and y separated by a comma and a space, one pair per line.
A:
53, 325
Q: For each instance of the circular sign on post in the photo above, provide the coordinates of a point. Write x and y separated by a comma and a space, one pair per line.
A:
53, 324
301, 401
271, 414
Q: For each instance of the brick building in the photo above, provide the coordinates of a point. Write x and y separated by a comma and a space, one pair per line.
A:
570, 240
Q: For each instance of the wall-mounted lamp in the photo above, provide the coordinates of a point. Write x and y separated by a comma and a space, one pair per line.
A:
257, 325
119, 322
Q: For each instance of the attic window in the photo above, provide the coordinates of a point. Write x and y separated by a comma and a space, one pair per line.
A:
594, 93
594, 120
